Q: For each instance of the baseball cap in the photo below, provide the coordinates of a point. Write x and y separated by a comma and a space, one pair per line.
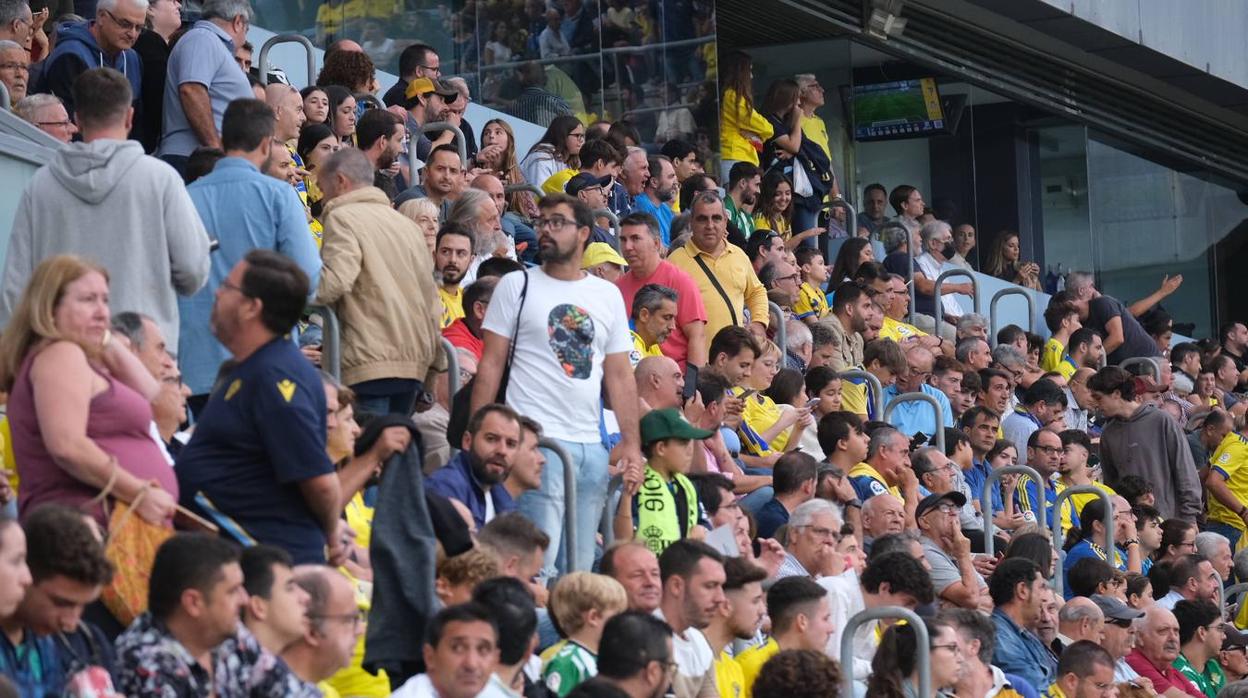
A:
1233, 638
599, 252
583, 181
931, 501
1114, 608
424, 86
669, 423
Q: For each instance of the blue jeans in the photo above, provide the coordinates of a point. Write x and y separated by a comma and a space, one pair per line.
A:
387, 396
545, 506
1232, 534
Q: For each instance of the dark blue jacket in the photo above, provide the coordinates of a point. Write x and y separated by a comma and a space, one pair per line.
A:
77, 52
456, 481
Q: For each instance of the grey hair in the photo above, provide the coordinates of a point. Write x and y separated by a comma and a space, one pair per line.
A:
963, 351
931, 229
970, 320
1008, 355
111, 5
466, 211
1236, 689
1075, 612
797, 334
13, 10
804, 80
921, 460
1241, 563
705, 197
460, 85
350, 163
880, 438
806, 512
227, 9
313, 582
650, 297
1076, 281
973, 625
1207, 543
8, 45
893, 235
821, 335
28, 108
893, 542
129, 324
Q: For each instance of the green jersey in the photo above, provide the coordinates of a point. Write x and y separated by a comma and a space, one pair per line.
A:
569, 667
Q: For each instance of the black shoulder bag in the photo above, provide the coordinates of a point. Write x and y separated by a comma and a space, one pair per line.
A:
461, 402
732, 312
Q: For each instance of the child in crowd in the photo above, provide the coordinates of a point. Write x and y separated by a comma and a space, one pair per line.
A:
458, 576
766, 429
811, 303
582, 603
1062, 317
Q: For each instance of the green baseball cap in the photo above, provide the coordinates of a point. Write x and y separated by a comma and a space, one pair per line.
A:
669, 423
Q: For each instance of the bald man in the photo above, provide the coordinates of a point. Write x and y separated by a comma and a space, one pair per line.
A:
335, 624
1156, 648
660, 383
1079, 619
881, 515
524, 236
911, 418
287, 107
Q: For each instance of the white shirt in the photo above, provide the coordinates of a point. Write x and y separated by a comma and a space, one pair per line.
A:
694, 657
567, 329
930, 268
419, 686
1169, 600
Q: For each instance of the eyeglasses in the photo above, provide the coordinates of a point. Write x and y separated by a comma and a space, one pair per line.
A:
231, 287
952, 647
1048, 450
355, 619
123, 24
578, 136
435, 69
945, 507
555, 222
59, 124
821, 532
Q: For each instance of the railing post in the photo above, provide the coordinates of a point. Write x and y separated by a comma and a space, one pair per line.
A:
940, 281
612, 218
569, 503
1229, 593
459, 138
1151, 361
6, 101
303, 41
1059, 581
851, 228
452, 367
912, 285
985, 497
331, 340
992, 310
1221, 593
932, 402
877, 388
606, 526
923, 646
782, 332
524, 186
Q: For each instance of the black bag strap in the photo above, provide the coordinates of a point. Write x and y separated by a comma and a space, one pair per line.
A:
732, 312
515, 337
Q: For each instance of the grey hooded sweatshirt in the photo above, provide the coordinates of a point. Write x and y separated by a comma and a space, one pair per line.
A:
108, 202
1150, 444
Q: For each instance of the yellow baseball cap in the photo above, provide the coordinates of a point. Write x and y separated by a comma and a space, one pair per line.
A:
599, 252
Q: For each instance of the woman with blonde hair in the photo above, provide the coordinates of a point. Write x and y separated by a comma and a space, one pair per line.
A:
1005, 262
425, 213
80, 400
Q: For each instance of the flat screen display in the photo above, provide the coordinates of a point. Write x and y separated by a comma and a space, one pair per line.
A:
899, 109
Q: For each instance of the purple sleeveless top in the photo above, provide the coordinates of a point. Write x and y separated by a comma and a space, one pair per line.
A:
118, 422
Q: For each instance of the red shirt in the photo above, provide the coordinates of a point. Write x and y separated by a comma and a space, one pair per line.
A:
689, 306
460, 336
1164, 678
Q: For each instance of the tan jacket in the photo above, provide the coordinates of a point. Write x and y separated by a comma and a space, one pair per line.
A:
377, 274
849, 345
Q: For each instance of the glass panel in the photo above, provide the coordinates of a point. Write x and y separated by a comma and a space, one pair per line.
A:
1063, 198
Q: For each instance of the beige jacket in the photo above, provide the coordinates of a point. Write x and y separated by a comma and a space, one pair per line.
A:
849, 345
377, 274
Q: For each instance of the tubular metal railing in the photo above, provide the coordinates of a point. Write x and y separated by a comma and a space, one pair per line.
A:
985, 497
1059, 581
287, 39
931, 402
992, 310
940, 281
331, 340
922, 645
460, 145
1153, 364
782, 332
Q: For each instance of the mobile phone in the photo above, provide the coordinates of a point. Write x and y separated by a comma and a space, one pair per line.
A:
691, 383
811, 403
746, 394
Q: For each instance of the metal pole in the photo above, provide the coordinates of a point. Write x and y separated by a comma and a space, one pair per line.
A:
6, 102
524, 186
913, 287
985, 497
1229, 594
1221, 593
612, 218
606, 526
992, 310
452, 367
940, 281
569, 503
287, 39
922, 642
331, 342
782, 332
459, 138
1151, 361
932, 402
1107, 520
852, 228
877, 388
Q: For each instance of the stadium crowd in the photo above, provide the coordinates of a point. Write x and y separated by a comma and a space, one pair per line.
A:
301, 403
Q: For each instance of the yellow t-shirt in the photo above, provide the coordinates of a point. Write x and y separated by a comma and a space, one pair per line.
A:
782, 227
760, 413
854, 397
452, 306
728, 677
752, 660
1080, 500
1227, 460
817, 131
897, 330
862, 473
1054, 358
641, 350
810, 302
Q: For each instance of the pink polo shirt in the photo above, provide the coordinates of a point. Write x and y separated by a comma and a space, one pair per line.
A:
689, 305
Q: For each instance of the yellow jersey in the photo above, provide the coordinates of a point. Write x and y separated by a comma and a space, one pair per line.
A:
452, 305
728, 677
1069, 514
758, 414
810, 302
897, 330
1055, 358
641, 350
752, 660
868, 482
1227, 461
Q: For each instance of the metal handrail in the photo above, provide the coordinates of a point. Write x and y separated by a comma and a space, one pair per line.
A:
1221, 592
922, 646
910, 278
580, 58
877, 388
606, 527
331, 340
6, 102
460, 144
985, 497
840, 202
613, 219
569, 504
1229, 593
932, 402
940, 281
287, 39
1055, 528
782, 332
526, 187
452, 368
1150, 360
992, 310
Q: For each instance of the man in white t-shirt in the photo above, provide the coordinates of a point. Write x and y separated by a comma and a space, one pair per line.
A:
693, 590
571, 341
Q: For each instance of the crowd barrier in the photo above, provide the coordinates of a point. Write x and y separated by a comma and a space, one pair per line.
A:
922, 645
992, 311
331, 340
